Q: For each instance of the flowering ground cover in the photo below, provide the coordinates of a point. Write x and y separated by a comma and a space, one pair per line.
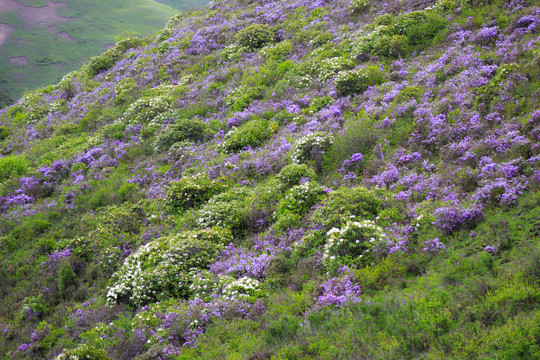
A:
282, 180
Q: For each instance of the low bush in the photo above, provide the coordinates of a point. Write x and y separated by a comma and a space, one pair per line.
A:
351, 82
255, 36
252, 134
191, 192
293, 174
347, 204
184, 129
12, 166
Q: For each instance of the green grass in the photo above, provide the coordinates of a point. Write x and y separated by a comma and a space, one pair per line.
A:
94, 25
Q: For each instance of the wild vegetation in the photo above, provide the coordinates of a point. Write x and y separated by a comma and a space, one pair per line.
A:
282, 180
48, 39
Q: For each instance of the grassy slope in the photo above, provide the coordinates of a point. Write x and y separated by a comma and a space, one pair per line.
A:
184, 4
476, 298
94, 25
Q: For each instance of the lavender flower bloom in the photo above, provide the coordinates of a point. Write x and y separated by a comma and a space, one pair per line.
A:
433, 245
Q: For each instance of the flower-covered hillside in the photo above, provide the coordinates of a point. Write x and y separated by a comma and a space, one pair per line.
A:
282, 179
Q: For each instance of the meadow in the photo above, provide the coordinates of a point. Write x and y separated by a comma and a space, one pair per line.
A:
294, 179
41, 51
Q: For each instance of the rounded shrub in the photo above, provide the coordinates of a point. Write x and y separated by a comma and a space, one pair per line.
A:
299, 199
311, 147
351, 245
255, 36
161, 268
347, 203
185, 129
228, 210
350, 82
390, 46
191, 191
252, 133
293, 174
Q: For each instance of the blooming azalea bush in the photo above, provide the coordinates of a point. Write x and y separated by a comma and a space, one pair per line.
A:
293, 174
310, 147
192, 191
162, 267
354, 243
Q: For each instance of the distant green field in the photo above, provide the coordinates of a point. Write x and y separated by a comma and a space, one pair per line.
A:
40, 54
184, 4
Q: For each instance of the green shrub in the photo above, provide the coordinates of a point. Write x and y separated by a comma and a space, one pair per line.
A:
34, 307
390, 46
66, 278
299, 199
99, 64
350, 82
161, 268
252, 133
311, 147
191, 192
228, 210
242, 96
184, 129
292, 174
4, 132
277, 52
347, 203
284, 329
358, 6
419, 27
255, 36
12, 166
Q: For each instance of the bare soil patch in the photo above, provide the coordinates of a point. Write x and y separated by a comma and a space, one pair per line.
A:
5, 32
65, 35
19, 60
35, 15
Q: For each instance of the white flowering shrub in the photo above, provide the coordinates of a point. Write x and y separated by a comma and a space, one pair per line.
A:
233, 52
192, 191
299, 199
83, 352
352, 244
162, 267
144, 110
311, 147
243, 288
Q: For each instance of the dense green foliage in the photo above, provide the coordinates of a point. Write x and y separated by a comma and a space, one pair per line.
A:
282, 180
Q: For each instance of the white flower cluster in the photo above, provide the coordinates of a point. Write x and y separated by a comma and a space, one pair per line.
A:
242, 288
355, 238
304, 147
145, 109
165, 263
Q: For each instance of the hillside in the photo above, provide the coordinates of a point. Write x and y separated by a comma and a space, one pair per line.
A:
41, 41
282, 180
